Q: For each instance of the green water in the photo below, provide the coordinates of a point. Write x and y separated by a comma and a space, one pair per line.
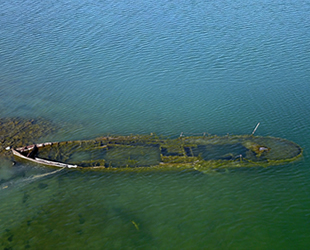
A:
140, 67
253, 208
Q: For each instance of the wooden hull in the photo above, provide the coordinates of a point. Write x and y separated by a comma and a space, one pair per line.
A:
42, 161
149, 152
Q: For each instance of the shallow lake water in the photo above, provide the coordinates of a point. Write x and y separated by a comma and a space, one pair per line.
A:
138, 67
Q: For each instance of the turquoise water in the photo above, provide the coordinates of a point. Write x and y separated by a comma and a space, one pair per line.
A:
122, 67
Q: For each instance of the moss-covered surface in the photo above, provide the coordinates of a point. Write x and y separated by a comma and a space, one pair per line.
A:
17, 132
153, 153
149, 152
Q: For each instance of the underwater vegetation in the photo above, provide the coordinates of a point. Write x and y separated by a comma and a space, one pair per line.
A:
59, 216
145, 152
152, 152
16, 132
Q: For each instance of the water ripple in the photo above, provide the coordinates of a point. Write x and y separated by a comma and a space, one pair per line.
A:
157, 66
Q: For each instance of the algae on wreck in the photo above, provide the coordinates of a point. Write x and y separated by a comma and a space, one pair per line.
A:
151, 152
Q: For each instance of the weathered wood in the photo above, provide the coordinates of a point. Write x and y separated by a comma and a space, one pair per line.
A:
43, 161
153, 152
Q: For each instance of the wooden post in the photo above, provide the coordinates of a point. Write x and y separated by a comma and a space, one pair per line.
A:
255, 128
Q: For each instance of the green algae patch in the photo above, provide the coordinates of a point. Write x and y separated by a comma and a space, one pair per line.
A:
152, 152
17, 132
